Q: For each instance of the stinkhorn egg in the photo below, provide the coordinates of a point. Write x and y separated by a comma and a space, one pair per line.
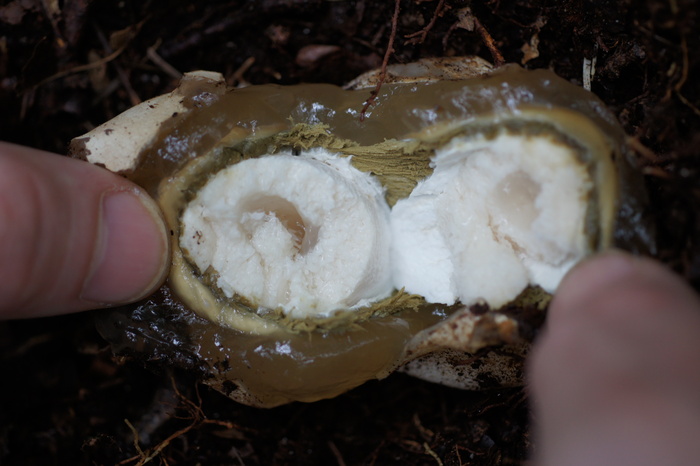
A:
317, 245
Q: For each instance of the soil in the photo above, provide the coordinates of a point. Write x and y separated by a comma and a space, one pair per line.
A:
68, 66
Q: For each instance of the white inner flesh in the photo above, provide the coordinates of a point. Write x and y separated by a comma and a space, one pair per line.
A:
495, 216
307, 234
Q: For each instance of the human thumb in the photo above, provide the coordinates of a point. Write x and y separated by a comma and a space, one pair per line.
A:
73, 236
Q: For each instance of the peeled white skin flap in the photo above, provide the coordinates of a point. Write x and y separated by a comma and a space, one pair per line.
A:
494, 217
308, 234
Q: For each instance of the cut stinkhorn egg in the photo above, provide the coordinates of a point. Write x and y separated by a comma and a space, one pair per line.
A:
315, 247
274, 230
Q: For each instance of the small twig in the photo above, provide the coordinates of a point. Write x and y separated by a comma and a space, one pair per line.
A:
684, 69
197, 418
427, 434
657, 172
446, 37
469, 450
688, 103
238, 456
135, 433
167, 68
81, 68
423, 33
375, 453
432, 453
134, 99
684, 77
336, 453
468, 21
237, 76
412, 445
389, 50
637, 146
498, 59
458, 455
148, 455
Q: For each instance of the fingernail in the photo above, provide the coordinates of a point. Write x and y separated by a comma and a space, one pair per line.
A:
130, 257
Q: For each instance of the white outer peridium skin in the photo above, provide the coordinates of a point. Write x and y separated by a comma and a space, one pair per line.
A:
425, 70
306, 234
494, 217
117, 143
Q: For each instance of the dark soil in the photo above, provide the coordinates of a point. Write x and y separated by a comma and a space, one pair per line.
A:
66, 66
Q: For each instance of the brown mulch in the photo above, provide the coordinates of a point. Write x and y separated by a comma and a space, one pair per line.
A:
67, 66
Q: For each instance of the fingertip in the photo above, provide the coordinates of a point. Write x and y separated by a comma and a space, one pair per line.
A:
613, 300
589, 278
130, 258
617, 354
591, 301
74, 236
622, 275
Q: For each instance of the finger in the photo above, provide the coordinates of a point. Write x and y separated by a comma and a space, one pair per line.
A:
618, 317
619, 352
73, 236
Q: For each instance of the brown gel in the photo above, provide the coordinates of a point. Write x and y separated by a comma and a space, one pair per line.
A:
273, 369
285, 367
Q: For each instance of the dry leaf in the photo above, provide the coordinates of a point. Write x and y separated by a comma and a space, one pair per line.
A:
309, 55
530, 51
466, 19
14, 12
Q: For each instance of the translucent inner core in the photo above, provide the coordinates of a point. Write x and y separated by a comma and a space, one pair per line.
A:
515, 196
496, 216
306, 234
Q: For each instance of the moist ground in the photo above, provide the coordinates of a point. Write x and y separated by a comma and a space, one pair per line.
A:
68, 66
